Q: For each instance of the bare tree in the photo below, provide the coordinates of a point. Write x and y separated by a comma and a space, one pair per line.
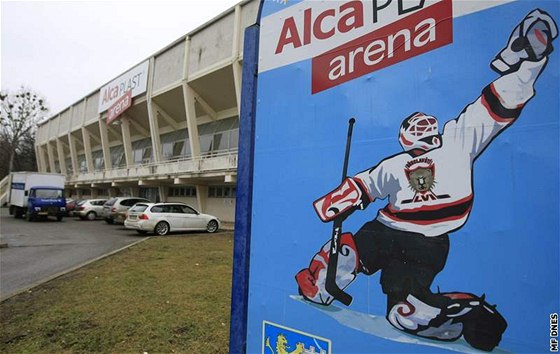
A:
19, 114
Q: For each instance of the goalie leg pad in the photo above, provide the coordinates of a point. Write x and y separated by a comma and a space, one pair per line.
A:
447, 316
416, 317
311, 281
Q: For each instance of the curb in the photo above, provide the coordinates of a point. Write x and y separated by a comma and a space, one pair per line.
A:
52, 277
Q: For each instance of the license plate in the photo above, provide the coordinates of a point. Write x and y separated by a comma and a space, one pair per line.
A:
42, 213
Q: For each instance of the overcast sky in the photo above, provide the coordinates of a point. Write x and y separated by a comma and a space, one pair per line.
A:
67, 49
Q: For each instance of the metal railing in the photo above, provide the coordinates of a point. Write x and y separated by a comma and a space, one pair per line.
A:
225, 160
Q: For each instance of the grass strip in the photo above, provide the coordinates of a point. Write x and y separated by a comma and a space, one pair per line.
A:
165, 295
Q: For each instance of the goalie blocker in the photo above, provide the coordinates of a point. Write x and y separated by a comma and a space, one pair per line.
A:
342, 201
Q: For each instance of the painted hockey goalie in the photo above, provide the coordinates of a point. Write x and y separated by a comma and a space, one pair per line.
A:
430, 194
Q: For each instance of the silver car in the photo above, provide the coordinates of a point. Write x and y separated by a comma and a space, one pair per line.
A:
114, 210
162, 218
89, 209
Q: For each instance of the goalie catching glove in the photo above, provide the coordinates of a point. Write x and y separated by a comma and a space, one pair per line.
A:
530, 40
341, 202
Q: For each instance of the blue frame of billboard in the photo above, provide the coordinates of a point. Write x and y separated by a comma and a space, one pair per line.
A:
244, 198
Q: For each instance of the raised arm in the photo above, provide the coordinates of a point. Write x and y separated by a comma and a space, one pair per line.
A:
501, 102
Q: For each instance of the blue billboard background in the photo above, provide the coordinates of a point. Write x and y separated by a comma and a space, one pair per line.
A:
508, 248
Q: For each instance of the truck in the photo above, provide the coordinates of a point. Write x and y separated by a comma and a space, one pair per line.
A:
37, 195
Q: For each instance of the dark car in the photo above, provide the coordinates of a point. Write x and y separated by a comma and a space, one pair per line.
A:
71, 206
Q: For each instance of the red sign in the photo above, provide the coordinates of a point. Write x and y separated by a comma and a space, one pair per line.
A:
119, 107
413, 35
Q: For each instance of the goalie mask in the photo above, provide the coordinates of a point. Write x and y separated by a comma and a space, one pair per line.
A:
419, 131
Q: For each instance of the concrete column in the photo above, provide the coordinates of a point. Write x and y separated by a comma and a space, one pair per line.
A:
41, 166
105, 144
127, 142
38, 159
201, 197
61, 156
50, 153
73, 154
44, 157
192, 125
152, 117
87, 149
236, 65
163, 191
189, 101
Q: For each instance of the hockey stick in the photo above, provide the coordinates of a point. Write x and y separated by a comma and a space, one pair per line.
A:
330, 283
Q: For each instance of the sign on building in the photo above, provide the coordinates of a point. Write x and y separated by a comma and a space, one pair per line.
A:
134, 81
403, 193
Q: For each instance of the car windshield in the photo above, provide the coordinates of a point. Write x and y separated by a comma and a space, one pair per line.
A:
139, 208
81, 202
48, 193
111, 201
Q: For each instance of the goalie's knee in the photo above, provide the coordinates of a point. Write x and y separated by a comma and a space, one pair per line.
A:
311, 280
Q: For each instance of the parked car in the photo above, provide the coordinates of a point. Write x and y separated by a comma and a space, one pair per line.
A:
114, 210
162, 218
89, 209
70, 206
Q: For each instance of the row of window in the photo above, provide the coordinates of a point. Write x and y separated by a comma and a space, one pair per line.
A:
182, 192
222, 135
153, 193
221, 192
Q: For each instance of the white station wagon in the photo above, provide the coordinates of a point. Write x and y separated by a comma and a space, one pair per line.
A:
162, 218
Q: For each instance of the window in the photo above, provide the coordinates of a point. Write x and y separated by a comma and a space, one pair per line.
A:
82, 163
118, 160
147, 155
221, 192
69, 168
182, 192
157, 209
47, 193
218, 136
188, 210
139, 208
178, 148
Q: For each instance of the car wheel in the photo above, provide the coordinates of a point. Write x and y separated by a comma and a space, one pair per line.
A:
91, 215
109, 221
212, 226
59, 218
142, 232
29, 216
162, 228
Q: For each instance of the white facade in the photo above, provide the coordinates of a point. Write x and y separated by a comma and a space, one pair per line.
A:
178, 141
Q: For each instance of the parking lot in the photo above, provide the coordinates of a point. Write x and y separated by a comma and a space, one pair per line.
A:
38, 251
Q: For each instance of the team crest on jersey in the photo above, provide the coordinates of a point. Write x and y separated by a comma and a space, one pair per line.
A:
421, 174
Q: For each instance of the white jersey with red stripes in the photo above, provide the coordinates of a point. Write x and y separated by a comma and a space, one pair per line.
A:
432, 193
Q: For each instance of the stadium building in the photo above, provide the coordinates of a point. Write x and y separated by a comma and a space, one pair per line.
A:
167, 129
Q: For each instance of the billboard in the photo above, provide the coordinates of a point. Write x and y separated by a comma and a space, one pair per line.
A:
404, 190
128, 85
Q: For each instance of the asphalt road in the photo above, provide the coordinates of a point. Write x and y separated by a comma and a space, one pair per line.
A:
40, 250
